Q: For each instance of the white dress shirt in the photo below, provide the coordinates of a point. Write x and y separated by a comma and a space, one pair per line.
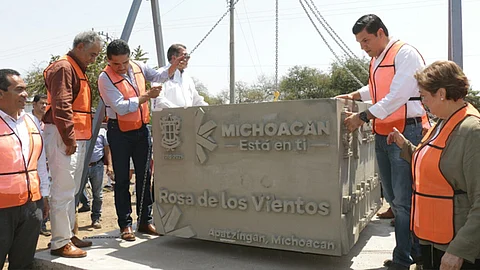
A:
19, 127
179, 91
404, 85
114, 101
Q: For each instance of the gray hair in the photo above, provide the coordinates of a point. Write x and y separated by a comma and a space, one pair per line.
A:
87, 38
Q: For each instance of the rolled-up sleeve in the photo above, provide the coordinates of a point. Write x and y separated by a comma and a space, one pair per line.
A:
153, 75
404, 84
112, 97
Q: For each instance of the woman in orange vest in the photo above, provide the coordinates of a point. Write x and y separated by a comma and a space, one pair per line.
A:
445, 213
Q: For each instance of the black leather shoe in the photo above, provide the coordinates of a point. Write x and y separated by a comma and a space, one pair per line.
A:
84, 208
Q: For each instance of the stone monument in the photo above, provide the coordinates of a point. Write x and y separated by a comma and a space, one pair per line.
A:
283, 175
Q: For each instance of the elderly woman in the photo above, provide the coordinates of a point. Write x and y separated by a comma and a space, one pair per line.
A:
446, 172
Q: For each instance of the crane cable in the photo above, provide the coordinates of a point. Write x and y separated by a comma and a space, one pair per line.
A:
337, 38
328, 45
214, 26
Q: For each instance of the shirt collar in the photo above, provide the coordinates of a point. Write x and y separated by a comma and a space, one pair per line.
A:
6, 117
390, 43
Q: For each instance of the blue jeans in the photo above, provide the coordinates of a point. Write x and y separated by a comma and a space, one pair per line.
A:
123, 145
396, 179
95, 176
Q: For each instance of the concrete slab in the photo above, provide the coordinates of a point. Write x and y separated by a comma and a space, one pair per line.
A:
375, 245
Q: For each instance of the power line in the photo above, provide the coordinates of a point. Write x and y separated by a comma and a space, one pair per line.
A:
248, 47
251, 34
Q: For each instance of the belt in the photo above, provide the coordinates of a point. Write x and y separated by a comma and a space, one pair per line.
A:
413, 120
91, 164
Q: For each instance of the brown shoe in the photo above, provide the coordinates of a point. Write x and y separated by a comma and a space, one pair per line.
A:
69, 251
127, 234
80, 243
147, 229
386, 214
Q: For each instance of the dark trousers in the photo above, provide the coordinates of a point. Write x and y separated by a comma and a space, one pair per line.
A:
19, 227
123, 145
432, 259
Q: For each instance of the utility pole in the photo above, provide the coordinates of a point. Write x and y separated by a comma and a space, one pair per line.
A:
232, 54
157, 28
455, 43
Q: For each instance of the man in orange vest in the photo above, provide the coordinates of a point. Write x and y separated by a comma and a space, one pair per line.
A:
122, 88
23, 175
395, 97
68, 127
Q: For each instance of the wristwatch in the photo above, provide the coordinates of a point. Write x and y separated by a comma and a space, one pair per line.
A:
364, 117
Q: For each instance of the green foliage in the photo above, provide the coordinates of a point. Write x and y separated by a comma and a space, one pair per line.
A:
305, 83
309, 83
203, 91
473, 98
341, 82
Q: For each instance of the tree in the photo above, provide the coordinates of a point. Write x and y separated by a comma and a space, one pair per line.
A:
473, 98
305, 83
203, 91
341, 81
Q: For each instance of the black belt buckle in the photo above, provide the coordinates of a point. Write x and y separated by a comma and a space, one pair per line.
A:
413, 121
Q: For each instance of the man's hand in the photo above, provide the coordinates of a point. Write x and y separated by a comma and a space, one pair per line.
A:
109, 170
353, 95
451, 262
70, 150
46, 207
154, 91
353, 121
345, 96
178, 61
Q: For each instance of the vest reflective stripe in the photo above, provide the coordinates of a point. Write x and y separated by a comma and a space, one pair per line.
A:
82, 104
433, 197
380, 79
19, 182
133, 120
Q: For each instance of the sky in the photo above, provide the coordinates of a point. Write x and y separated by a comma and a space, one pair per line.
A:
33, 30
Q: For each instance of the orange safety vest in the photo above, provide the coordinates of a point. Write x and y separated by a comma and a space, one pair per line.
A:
19, 182
379, 81
133, 120
432, 199
82, 104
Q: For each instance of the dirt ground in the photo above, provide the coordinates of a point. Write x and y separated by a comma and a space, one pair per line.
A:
108, 220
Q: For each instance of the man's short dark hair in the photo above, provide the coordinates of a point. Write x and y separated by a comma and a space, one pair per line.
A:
371, 22
117, 47
37, 97
174, 50
4, 73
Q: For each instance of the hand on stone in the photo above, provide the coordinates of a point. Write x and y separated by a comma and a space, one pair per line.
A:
345, 96
352, 121
451, 262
